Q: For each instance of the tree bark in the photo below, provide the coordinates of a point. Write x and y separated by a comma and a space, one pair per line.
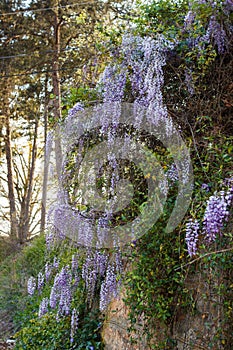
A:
57, 87
46, 165
10, 176
24, 233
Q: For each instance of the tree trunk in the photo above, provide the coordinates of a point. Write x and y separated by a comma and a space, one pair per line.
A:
10, 176
57, 87
46, 165
26, 203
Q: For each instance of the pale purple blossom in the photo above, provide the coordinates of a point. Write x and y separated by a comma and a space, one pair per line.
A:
54, 297
89, 274
43, 308
101, 262
218, 33
189, 19
172, 173
146, 57
64, 276
40, 281
75, 109
216, 214
113, 81
227, 7
205, 187
65, 300
103, 230
55, 263
31, 286
61, 294
74, 324
48, 271
109, 288
191, 236
49, 239
215, 33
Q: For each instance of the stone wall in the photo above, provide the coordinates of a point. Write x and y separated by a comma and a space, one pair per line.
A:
115, 333
194, 330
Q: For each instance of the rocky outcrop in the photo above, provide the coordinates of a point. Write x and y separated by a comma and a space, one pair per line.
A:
197, 329
115, 334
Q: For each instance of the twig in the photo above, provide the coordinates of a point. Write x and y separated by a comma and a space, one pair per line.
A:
203, 256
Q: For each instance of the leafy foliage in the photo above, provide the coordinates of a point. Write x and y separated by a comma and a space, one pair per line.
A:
51, 333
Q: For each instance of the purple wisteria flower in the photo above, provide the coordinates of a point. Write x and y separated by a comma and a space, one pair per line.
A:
227, 7
74, 324
48, 271
172, 173
218, 33
64, 276
54, 297
216, 214
146, 58
215, 31
65, 301
109, 288
40, 281
61, 218
61, 293
189, 19
49, 239
205, 187
31, 285
101, 262
43, 309
103, 229
229, 191
56, 263
75, 109
89, 275
191, 237
113, 81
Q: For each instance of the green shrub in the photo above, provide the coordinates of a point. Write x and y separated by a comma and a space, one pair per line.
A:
14, 273
50, 333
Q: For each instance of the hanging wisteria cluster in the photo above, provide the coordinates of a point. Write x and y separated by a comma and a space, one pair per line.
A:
216, 214
74, 324
96, 269
191, 238
215, 31
139, 61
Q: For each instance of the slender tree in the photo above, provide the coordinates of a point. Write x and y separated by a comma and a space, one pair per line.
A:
45, 51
